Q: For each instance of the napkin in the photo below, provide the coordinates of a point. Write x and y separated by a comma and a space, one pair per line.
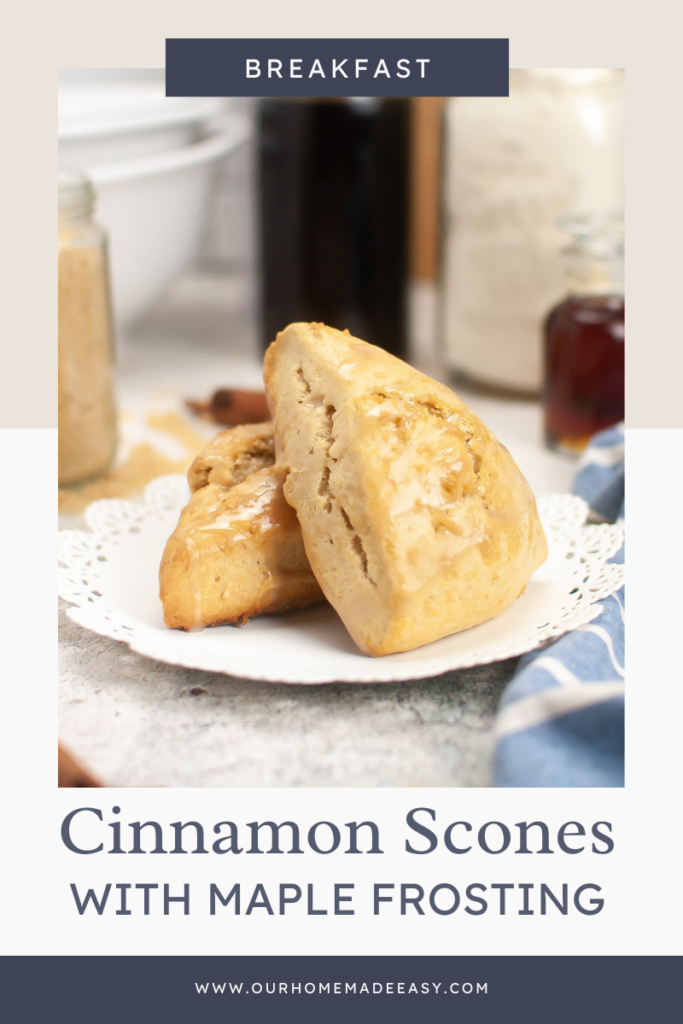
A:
561, 718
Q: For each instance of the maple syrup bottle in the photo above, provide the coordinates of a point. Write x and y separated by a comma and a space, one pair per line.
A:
584, 337
333, 198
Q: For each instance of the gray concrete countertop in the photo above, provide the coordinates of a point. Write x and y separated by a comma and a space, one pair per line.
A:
138, 722
133, 721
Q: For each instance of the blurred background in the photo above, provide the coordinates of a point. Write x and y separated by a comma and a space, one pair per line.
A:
480, 239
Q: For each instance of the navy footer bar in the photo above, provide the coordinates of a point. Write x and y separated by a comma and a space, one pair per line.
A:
335, 988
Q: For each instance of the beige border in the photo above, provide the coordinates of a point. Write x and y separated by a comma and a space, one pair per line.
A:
78, 33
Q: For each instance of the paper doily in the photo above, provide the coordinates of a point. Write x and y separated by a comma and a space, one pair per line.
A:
109, 573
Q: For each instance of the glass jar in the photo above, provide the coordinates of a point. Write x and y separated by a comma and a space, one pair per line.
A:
87, 410
513, 165
584, 337
333, 196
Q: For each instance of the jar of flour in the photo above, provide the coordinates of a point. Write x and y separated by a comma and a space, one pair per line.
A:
512, 167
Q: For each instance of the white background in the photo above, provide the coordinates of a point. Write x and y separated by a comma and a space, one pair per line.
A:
639, 879
389, 932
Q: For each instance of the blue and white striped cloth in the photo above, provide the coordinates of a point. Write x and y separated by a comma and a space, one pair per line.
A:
561, 719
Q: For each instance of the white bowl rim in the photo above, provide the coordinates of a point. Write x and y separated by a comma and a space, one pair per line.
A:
146, 118
232, 135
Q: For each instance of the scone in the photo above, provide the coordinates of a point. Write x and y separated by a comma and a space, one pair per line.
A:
237, 551
417, 522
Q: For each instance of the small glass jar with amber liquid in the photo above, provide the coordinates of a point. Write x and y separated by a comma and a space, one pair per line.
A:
584, 337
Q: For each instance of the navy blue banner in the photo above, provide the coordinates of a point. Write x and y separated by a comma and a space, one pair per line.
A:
337, 67
485, 990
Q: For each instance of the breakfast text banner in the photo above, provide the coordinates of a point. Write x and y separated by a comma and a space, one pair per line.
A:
337, 67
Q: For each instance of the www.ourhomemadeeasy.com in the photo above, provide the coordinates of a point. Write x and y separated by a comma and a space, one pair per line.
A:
341, 988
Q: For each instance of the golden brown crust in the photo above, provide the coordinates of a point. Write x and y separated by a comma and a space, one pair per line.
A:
237, 551
232, 456
416, 520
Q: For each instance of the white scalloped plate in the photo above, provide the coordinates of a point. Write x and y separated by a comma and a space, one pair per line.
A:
110, 575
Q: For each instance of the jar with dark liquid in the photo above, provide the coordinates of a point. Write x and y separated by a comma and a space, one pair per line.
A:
333, 186
584, 338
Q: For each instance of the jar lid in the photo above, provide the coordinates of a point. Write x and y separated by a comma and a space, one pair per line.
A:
597, 234
76, 195
595, 255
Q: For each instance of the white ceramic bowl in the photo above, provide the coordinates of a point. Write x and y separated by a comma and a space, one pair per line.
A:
153, 208
107, 118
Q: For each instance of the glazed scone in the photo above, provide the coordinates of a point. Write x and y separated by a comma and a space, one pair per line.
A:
416, 521
233, 455
237, 551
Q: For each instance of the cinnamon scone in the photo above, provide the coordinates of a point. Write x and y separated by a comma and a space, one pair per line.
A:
417, 522
237, 551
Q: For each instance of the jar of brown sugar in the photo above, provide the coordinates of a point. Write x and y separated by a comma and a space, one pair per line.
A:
87, 409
